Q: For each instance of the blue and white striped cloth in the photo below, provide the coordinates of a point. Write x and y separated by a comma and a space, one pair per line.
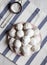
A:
29, 13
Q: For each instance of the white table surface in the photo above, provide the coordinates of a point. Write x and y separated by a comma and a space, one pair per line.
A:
42, 4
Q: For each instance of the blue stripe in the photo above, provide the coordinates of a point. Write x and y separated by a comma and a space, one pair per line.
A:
33, 15
24, 6
13, 20
5, 10
0, 17
33, 56
41, 24
6, 50
44, 61
28, 20
15, 59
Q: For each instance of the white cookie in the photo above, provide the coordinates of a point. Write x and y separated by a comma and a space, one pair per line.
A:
30, 32
26, 40
19, 26
27, 26
26, 50
20, 33
12, 32
17, 50
11, 41
36, 40
18, 43
36, 48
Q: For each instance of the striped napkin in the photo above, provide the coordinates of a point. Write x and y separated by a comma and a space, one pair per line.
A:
29, 13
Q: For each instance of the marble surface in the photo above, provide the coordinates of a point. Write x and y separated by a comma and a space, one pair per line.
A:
42, 4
